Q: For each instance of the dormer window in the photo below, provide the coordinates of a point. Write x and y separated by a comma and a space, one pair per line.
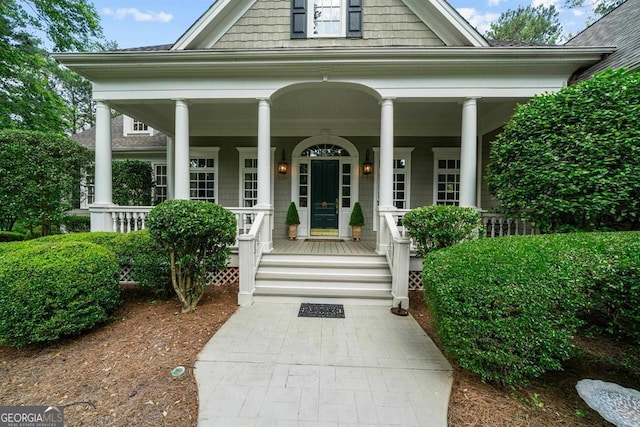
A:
131, 126
326, 18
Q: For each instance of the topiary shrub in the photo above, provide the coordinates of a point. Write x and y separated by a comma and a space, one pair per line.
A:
571, 159
508, 308
292, 215
76, 223
196, 236
437, 227
53, 290
10, 236
356, 218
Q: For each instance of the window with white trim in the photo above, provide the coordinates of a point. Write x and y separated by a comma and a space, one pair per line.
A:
401, 179
87, 187
446, 176
131, 126
249, 190
326, 18
160, 171
202, 179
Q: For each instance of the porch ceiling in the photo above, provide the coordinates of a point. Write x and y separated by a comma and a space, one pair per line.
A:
310, 110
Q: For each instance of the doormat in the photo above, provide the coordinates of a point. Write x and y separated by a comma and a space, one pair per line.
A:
324, 240
327, 311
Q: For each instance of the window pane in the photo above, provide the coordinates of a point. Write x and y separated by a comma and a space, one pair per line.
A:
346, 202
346, 168
304, 167
303, 202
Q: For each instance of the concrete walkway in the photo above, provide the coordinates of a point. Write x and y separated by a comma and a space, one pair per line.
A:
268, 367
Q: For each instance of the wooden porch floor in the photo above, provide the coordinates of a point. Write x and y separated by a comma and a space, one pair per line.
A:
320, 246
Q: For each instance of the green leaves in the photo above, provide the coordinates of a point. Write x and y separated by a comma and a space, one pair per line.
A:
437, 227
132, 182
571, 160
538, 25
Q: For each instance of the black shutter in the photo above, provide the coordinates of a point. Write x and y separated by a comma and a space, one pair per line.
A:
354, 18
298, 19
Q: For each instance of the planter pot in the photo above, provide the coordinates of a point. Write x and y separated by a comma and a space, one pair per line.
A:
356, 232
293, 232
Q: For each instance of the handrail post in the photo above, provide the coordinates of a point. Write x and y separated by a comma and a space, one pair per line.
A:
247, 273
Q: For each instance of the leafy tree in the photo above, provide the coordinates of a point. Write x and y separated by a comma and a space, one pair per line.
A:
571, 159
29, 81
38, 172
538, 25
196, 236
602, 7
132, 182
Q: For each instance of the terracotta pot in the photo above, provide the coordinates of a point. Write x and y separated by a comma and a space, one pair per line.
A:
293, 231
356, 232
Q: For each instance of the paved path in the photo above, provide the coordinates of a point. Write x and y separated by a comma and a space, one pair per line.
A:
268, 367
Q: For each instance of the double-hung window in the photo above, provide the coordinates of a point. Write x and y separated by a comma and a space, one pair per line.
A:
446, 176
326, 18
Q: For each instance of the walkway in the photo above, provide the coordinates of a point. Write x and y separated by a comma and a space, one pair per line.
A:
268, 367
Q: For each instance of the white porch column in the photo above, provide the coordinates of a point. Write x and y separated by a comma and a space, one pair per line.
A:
100, 217
181, 147
264, 171
171, 168
386, 153
468, 152
264, 153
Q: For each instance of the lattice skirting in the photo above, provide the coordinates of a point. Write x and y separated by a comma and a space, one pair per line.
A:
223, 277
415, 281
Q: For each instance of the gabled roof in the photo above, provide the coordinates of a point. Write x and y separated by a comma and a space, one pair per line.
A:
438, 15
619, 28
120, 142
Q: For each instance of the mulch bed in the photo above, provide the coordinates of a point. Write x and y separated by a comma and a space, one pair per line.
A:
124, 368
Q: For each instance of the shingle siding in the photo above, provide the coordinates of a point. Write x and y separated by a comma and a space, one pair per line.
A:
620, 28
267, 25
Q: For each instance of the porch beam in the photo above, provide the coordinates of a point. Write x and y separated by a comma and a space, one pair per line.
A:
171, 168
386, 153
181, 157
469, 152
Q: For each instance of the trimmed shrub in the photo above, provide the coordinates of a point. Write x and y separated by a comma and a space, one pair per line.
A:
437, 227
292, 215
150, 265
76, 223
571, 159
356, 218
10, 236
132, 183
53, 290
508, 308
196, 236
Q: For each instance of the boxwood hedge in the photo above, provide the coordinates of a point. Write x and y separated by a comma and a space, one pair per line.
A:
508, 308
52, 290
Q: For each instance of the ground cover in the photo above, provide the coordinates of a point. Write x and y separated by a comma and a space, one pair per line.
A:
123, 369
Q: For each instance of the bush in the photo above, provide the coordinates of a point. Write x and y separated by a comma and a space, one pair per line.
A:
437, 227
508, 308
53, 290
76, 223
357, 218
149, 265
132, 183
292, 215
10, 236
571, 159
196, 236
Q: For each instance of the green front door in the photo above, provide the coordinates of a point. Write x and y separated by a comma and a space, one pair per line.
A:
325, 183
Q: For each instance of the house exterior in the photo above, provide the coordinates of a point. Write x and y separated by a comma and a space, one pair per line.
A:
619, 28
324, 87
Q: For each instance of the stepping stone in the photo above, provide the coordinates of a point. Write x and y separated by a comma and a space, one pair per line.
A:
616, 404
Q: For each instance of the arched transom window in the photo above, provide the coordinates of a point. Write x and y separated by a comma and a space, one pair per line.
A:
325, 150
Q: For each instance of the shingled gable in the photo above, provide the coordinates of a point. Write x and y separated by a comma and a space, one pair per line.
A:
260, 24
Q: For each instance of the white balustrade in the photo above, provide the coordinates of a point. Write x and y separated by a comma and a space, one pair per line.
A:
251, 246
397, 249
498, 225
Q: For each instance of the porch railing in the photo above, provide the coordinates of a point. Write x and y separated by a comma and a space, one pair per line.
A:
498, 225
126, 219
251, 246
396, 247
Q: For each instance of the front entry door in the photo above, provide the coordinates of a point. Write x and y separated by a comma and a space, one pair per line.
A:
325, 182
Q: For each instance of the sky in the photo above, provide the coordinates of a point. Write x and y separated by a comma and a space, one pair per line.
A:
134, 23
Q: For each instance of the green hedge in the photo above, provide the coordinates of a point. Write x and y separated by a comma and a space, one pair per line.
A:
508, 308
52, 290
10, 236
149, 264
77, 223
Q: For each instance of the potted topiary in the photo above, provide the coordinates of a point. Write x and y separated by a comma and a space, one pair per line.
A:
356, 222
292, 221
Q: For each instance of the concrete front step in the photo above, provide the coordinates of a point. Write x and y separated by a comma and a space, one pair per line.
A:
305, 276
